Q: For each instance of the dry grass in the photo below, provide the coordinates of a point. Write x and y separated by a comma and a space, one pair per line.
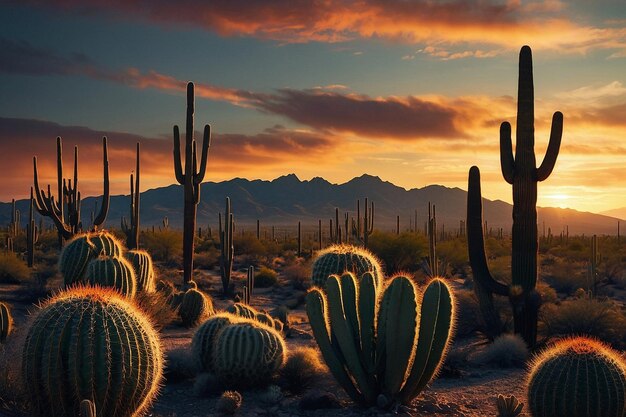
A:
302, 368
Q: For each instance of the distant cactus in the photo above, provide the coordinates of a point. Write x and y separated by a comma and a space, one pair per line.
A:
106, 244
227, 248
77, 342
508, 406
32, 233
204, 339
577, 377
131, 227
195, 307
87, 409
6, 322
229, 402
74, 258
112, 272
144, 270
248, 354
337, 259
382, 346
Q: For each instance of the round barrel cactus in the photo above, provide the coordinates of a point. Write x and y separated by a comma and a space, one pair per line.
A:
144, 271
74, 258
203, 342
337, 259
242, 310
6, 322
91, 343
112, 272
248, 354
577, 377
106, 244
195, 307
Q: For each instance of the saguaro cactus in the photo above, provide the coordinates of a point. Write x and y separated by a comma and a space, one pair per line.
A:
520, 171
131, 230
65, 212
32, 234
227, 247
190, 179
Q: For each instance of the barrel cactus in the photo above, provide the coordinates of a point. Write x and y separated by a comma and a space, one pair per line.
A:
248, 354
382, 346
144, 270
113, 272
204, 339
242, 310
91, 343
337, 259
74, 258
6, 322
229, 402
577, 377
106, 244
195, 307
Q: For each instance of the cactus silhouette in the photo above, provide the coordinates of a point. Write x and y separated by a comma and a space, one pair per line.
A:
520, 171
190, 178
131, 227
32, 233
227, 248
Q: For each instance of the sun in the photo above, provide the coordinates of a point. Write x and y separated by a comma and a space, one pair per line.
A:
557, 200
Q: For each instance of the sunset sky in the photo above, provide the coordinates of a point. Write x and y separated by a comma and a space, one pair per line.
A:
411, 91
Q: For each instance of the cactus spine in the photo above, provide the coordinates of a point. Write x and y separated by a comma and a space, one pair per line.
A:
6, 322
381, 353
203, 342
32, 233
520, 171
190, 179
91, 343
105, 244
68, 221
74, 258
195, 307
113, 272
132, 230
577, 377
227, 247
144, 270
337, 259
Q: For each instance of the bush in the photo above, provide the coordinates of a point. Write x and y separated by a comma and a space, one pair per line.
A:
163, 245
207, 259
468, 316
506, 351
13, 270
265, 278
302, 368
566, 276
398, 252
584, 316
298, 275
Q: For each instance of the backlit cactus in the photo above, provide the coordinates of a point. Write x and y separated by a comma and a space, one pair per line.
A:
87, 409
74, 259
382, 346
248, 354
577, 377
91, 343
6, 322
106, 244
242, 310
144, 270
337, 259
112, 272
204, 339
195, 307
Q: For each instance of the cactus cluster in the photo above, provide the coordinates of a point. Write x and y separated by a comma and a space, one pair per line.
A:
382, 345
91, 343
577, 377
337, 259
144, 270
111, 271
6, 322
249, 312
195, 307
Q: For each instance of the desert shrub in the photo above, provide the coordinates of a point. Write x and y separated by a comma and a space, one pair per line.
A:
454, 253
398, 252
207, 259
163, 245
250, 245
596, 318
156, 307
455, 362
302, 368
566, 276
548, 294
500, 268
506, 351
13, 270
496, 248
298, 276
265, 278
467, 313
229, 402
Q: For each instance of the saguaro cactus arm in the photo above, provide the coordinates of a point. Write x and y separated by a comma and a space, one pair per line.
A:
556, 131
507, 162
104, 207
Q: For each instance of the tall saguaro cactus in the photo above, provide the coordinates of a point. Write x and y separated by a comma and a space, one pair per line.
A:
32, 233
227, 247
65, 211
521, 172
190, 178
131, 230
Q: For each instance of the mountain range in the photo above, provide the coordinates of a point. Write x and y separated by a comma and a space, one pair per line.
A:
286, 200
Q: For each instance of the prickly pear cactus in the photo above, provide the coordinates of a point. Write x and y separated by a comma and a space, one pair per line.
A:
112, 272
144, 270
6, 322
248, 354
337, 259
577, 377
74, 259
195, 307
91, 343
106, 244
204, 339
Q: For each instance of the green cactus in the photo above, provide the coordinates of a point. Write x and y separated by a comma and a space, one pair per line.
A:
520, 171
112, 272
106, 244
74, 259
6, 322
337, 259
195, 307
87, 409
91, 343
204, 339
229, 402
577, 377
242, 310
382, 346
144, 270
248, 354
